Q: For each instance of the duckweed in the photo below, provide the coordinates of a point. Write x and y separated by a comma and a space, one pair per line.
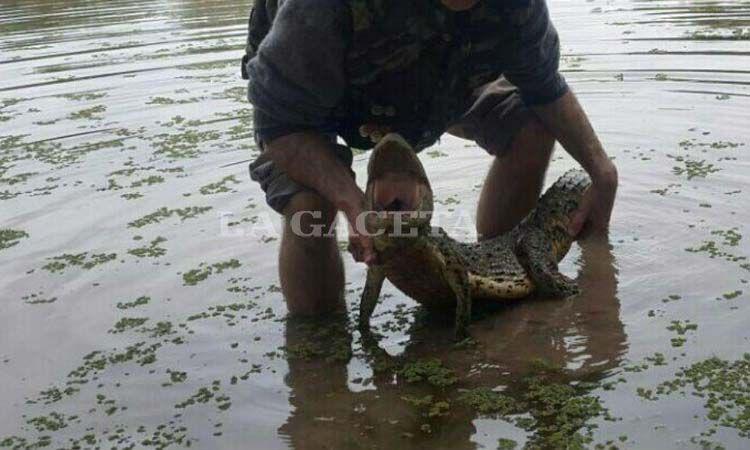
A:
195, 276
723, 385
152, 250
431, 371
140, 301
128, 323
9, 238
219, 186
83, 260
162, 213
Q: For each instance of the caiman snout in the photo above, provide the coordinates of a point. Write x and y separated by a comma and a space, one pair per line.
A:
397, 182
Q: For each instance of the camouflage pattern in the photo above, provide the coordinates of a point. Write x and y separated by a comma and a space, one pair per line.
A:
411, 65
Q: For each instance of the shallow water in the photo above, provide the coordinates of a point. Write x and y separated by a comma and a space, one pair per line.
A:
137, 312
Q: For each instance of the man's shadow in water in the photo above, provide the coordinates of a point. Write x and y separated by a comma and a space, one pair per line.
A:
584, 336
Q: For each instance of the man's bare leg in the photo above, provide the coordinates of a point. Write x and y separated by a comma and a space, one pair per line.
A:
310, 268
515, 181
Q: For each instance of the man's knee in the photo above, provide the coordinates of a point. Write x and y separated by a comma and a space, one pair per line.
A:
309, 215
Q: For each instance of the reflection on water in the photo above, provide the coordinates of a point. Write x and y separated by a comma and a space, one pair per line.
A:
140, 303
578, 341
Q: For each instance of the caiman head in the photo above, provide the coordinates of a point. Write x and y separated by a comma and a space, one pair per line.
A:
398, 192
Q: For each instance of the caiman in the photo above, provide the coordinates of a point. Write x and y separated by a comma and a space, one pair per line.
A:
437, 271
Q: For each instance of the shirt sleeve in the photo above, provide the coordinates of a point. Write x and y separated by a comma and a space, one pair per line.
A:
298, 77
534, 53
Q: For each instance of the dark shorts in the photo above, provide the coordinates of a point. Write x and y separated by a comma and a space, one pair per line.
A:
496, 115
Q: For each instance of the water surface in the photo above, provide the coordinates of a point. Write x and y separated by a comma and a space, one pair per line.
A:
140, 303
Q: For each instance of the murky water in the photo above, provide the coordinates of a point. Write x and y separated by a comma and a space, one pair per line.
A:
137, 312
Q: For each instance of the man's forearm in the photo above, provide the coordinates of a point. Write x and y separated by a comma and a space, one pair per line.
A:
567, 121
308, 158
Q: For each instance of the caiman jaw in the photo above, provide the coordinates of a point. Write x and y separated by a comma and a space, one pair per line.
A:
397, 185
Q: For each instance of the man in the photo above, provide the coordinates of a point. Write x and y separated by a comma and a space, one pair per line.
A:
485, 70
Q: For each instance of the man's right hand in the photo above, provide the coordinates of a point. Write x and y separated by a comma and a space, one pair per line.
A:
360, 242
308, 158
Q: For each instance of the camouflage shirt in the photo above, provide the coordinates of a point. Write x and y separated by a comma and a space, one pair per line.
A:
333, 65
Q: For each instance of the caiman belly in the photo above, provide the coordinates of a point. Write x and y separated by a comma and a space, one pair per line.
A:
494, 273
418, 273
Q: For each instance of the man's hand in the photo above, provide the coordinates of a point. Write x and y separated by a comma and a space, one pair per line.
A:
308, 158
360, 242
592, 217
568, 123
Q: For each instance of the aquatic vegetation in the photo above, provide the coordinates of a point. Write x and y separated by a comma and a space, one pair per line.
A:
140, 301
83, 96
165, 213
128, 323
431, 371
15, 179
9, 238
724, 386
170, 101
186, 144
560, 414
731, 238
195, 276
489, 402
84, 260
148, 181
731, 295
152, 250
506, 444
219, 186
694, 168
431, 408
37, 299
88, 113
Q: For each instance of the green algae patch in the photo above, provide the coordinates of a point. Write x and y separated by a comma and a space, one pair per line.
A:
183, 145
127, 323
489, 402
723, 385
84, 260
429, 370
731, 295
557, 415
195, 276
219, 186
9, 238
37, 299
83, 96
429, 407
152, 250
140, 301
318, 339
89, 113
147, 181
693, 168
162, 213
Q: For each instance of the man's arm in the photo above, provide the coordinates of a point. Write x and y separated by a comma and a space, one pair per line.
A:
308, 158
567, 121
533, 63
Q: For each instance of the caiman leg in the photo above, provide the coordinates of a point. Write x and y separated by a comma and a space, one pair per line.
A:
370, 294
537, 256
455, 273
381, 361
